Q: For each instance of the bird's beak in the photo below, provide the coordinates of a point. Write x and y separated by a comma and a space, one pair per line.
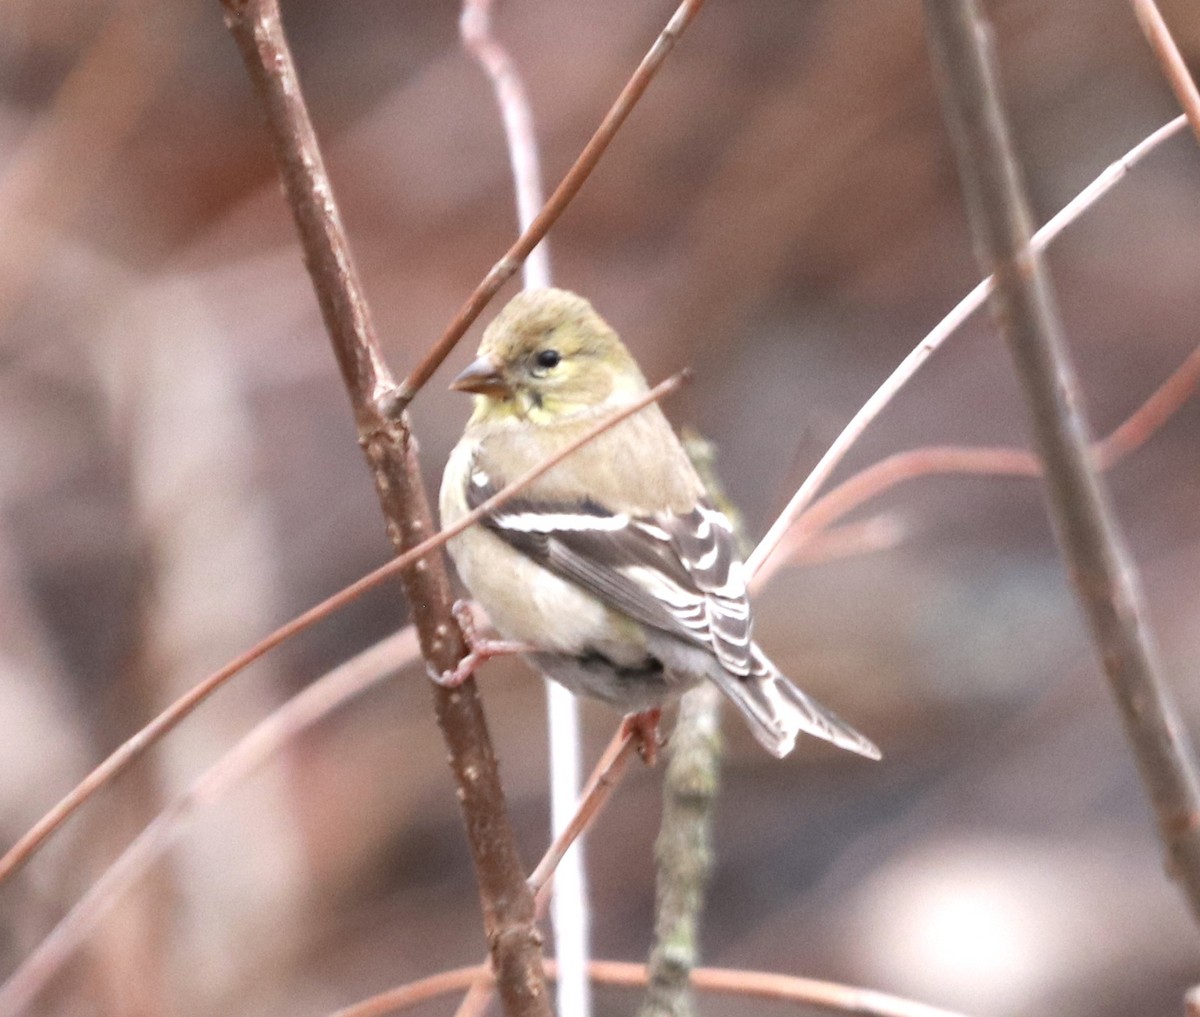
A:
485, 377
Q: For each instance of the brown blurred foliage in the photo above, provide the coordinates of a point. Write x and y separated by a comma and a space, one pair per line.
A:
178, 474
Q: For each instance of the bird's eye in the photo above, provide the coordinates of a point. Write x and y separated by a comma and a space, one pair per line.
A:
547, 359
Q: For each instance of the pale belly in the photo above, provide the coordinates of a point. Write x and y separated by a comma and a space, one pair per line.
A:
530, 605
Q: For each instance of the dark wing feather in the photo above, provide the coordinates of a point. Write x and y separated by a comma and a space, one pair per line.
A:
679, 573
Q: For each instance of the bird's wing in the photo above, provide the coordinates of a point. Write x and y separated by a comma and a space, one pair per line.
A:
679, 573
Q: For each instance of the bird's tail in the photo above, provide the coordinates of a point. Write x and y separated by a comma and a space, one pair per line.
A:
777, 711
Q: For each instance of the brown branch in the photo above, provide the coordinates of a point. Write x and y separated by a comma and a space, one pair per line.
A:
912, 464
1112, 175
606, 775
1104, 576
1170, 59
507, 266
831, 996
266, 738
392, 457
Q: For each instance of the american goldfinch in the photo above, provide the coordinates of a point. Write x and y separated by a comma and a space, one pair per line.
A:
614, 569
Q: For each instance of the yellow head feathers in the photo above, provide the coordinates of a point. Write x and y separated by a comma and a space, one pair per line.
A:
546, 356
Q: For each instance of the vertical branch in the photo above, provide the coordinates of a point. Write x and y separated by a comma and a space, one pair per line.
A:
569, 905
391, 454
683, 853
1101, 570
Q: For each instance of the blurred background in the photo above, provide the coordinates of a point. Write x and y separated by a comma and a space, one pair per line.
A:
179, 474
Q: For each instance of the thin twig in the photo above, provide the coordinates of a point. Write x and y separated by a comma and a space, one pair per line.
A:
606, 775
266, 738
391, 454
831, 996
1103, 574
911, 464
504, 269
1170, 59
962, 311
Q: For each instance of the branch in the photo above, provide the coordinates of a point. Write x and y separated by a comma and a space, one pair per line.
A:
1104, 577
230, 771
961, 312
683, 852
912, 464
507, 266
1173, 67
830, 996
392, 457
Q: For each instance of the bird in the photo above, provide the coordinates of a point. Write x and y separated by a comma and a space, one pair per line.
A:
615, 572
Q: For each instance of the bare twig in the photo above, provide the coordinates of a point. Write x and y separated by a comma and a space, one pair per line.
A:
961, 312
1102, 573
504, 269
606, 775
912, 464
1169, 57
829, 996
230, 771
391, 454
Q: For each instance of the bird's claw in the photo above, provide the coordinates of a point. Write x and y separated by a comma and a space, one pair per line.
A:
479, 648
644, 727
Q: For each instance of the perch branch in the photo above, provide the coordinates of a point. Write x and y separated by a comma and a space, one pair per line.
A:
505, 268
683, 850
683, 853
391, 454
1101, 570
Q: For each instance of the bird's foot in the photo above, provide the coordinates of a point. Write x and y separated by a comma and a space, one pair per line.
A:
479, 648
644, 727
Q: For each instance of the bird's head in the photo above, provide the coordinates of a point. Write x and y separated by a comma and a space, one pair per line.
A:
546, 356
